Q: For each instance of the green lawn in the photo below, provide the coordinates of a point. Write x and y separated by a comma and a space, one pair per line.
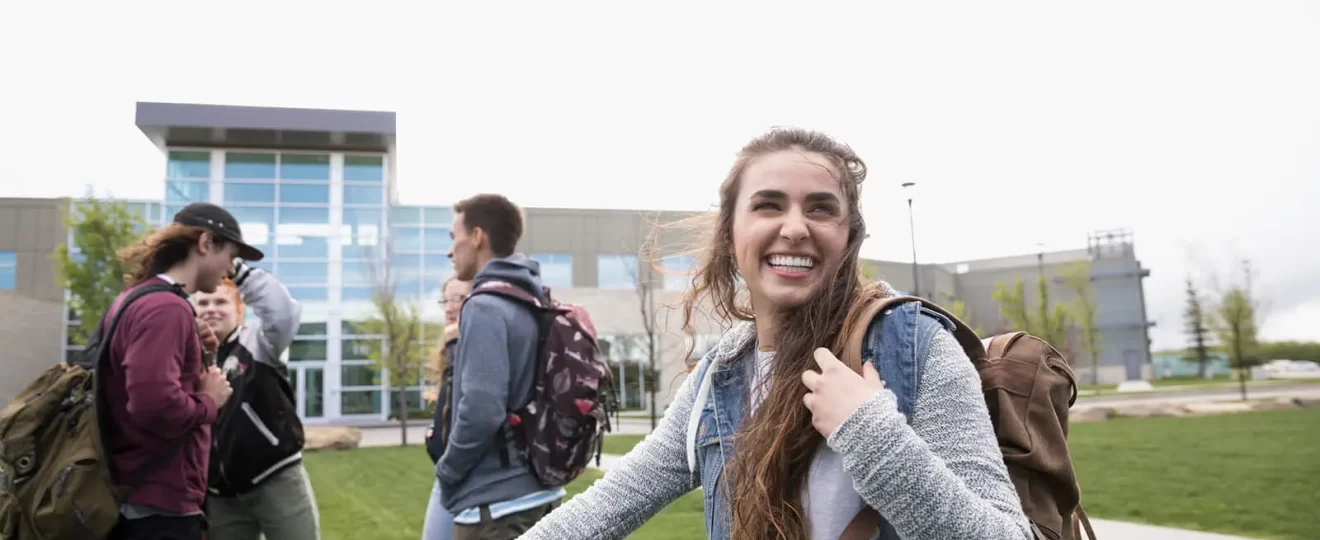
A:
381, 493
1246, 473
619, 445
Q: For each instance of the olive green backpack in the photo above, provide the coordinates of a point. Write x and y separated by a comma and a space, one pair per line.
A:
55, 480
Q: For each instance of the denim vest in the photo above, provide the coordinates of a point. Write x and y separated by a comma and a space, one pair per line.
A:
897, 344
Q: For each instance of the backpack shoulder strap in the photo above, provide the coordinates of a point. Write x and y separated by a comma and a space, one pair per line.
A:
103, 356
858, 323
105, 335
860, 319
998, 345
507, 290
852, 341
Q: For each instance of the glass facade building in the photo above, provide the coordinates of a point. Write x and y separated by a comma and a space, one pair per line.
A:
314, 189
329, 235
321, 219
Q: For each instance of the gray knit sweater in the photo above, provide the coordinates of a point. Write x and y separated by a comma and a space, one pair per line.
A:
941, 477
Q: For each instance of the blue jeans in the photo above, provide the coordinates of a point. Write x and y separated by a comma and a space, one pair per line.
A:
439, 524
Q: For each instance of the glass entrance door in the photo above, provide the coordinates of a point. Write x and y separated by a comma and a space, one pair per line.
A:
308, 380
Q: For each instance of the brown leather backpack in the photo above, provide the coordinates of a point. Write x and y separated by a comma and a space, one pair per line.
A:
1028, 387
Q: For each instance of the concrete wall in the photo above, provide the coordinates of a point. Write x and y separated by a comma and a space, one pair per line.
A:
586, 233
30, 330
31, 315
1116, 279
32, 228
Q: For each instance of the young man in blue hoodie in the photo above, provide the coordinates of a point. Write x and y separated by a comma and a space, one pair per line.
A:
484, 480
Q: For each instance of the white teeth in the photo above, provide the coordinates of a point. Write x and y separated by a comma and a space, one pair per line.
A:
790, 263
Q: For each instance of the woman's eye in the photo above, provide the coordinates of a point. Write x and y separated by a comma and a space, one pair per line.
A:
765, 206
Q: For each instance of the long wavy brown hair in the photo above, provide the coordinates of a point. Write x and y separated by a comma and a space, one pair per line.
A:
763, 482
435, 364
160, 250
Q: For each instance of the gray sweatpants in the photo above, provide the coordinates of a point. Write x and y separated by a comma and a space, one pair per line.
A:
283, 508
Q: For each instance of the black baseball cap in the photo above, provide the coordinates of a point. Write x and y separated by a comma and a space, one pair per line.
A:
220, 223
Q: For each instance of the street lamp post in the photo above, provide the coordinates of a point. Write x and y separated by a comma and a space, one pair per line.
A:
912, 228
1040, 258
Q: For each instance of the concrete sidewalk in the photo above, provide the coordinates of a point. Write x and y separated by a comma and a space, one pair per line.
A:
1103, 528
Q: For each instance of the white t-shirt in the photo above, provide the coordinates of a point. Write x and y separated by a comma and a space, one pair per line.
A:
830, 500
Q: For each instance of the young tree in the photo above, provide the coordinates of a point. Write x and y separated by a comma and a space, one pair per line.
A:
1053, 321
958, 309
646, 306
400, 351
1013, 306
868, 271
1198, 350
94, 275
1235, 323
1049, 324
1078, 279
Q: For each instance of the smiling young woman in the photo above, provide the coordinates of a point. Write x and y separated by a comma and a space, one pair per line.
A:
786, 440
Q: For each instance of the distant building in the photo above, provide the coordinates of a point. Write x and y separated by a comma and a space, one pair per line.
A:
316, 191
1116, 277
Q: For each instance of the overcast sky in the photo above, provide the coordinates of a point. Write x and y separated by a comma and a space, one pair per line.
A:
1196, 124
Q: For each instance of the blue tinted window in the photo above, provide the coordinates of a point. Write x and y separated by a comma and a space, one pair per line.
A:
304, 167
360, 402
256, 222
556, 269
677, 271
152, 214
308, 294
361, 232
407, 239
361, 272
250, 166
436, 265
364, 169
304, 232
185, 192
406, 265
355, 293
408, 288
363, 195
171, 209
437, 239
249, 193
302, 272
432, 283
305, 193
8, 270
616, 271
188, 165
438, 215
405, 215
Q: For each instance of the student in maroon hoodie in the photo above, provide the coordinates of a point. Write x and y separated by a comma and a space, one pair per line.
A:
161, 392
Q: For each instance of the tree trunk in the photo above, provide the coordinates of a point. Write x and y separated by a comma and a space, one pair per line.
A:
654, 384
1200, 364
1095, 369
403, 414
1237, 353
